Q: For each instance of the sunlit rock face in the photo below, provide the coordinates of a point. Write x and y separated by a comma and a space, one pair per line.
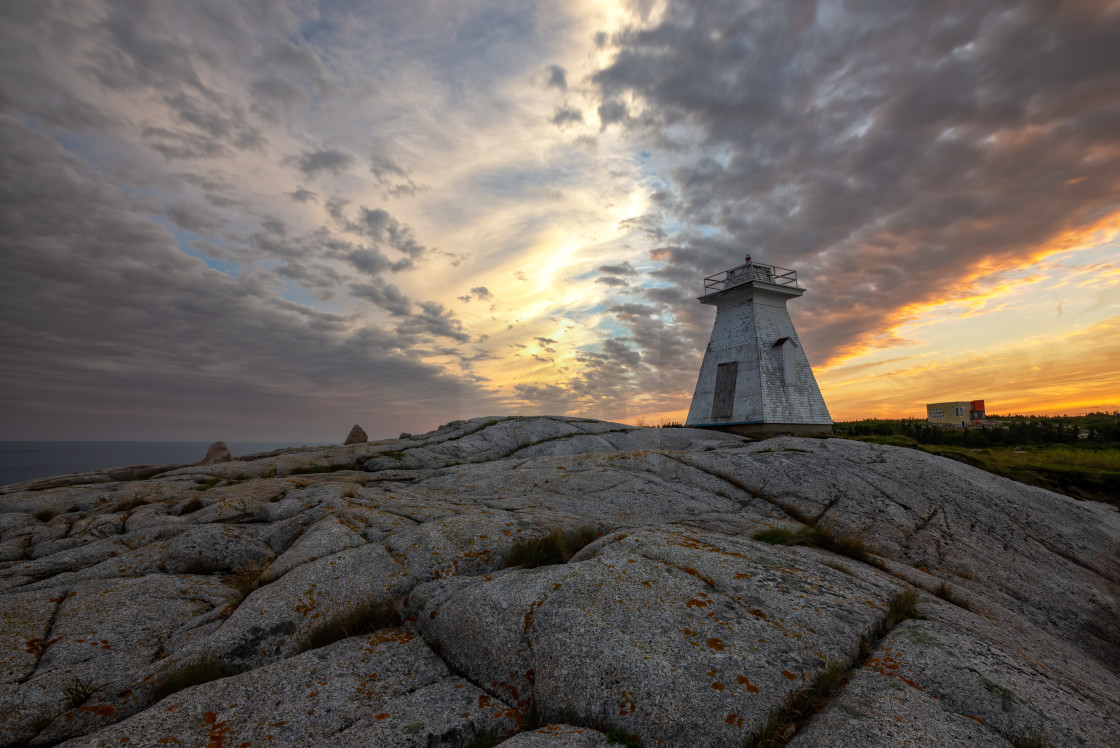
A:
188, 606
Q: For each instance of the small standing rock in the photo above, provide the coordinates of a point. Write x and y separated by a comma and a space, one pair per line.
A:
218, 452
405, 435
357, 436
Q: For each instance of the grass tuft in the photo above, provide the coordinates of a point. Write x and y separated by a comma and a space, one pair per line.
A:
315, 467
618, 737
192, 506
363, 619
77, 692
904, 605
783, 723
129, 504
817, 537
1034, 740
945, 592
245, 578
206, 485
201, 671
557, 547
479, 738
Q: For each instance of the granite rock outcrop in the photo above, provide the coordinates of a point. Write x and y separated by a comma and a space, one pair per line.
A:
382, 593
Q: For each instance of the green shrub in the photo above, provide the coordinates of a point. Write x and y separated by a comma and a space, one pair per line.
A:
363, 619
201, 671
557, 547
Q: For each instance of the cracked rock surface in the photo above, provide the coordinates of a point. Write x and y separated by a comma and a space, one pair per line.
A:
188, 604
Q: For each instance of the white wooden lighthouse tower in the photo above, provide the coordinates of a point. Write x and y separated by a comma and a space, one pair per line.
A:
755, 379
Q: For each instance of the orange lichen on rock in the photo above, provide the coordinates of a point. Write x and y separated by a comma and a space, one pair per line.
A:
789, 675
744, 681
626, 705
715, 644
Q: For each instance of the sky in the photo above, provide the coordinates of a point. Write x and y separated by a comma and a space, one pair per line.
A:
271, 220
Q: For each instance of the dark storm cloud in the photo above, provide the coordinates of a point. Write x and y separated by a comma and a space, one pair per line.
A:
329, 159
136, 331
885, 150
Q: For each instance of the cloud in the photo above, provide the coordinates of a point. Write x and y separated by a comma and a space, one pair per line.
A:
385, 295
566, 116
892, 155
482, 292
623, 268
330, 159
142, 333
610, 280
557, 78
394, 180
303, 196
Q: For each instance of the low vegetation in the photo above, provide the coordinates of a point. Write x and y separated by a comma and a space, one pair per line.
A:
479, 738
315, 468
1076, 455
77, 692
45, 515
557, 547
817, 537
783, 723
945, 592
902, 606
363, 619
196, 673
245, 579
207, 484
129, 504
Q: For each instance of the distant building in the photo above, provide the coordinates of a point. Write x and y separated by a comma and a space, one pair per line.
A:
962, 413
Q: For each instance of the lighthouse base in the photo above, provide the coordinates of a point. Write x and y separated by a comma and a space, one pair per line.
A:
764, 430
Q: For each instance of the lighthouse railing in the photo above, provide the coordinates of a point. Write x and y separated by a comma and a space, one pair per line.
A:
751, 271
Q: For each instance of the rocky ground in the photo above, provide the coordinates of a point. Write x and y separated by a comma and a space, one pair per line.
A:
196, 605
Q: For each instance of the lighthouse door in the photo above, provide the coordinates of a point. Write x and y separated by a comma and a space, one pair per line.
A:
723, 399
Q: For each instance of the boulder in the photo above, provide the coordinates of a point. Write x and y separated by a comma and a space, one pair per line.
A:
218, 452
357, 435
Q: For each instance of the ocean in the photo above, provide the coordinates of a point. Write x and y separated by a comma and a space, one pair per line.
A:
20, 461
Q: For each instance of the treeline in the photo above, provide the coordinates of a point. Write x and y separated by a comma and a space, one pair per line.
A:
1102, 428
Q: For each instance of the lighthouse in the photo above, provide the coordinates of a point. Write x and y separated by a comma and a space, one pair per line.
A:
755, 379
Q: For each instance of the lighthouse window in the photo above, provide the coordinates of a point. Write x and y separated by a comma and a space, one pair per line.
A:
723, 399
